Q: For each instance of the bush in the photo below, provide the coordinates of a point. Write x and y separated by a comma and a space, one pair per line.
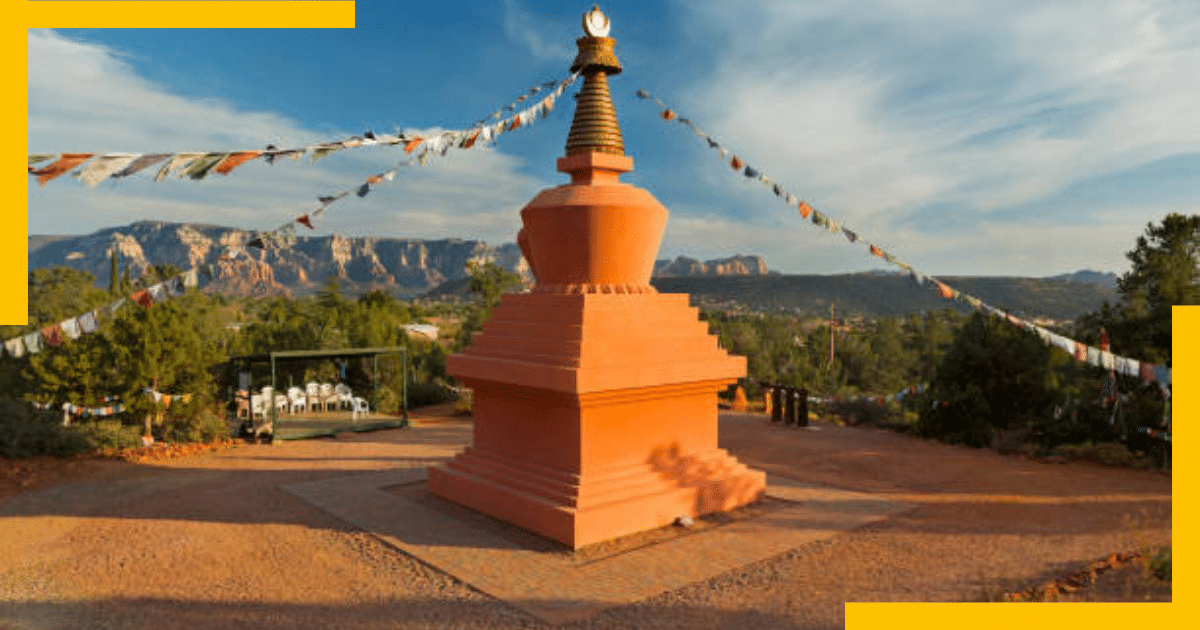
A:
106, 435
1105, 454
863, 412
466, 403
428, 393
1160, 564
961, 420
200, 424
25, 432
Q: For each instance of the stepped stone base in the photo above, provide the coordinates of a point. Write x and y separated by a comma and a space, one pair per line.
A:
595, 417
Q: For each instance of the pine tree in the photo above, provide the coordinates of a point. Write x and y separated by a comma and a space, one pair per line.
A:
114, 281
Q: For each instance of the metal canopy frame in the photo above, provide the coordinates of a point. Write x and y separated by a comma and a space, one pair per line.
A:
247, 360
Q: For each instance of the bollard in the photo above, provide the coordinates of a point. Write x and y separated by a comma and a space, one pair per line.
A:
790, 418
776, 404
802, 407
739, 400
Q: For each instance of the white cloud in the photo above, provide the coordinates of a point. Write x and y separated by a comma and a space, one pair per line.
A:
84, 97
533, 34
879, 110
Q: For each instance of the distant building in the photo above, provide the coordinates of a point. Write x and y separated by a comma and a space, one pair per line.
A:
428, 331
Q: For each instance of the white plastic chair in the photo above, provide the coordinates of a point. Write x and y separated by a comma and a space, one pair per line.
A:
281, 401
296, 399
313, 391
328, 397
345, 396
359, 405
258, 405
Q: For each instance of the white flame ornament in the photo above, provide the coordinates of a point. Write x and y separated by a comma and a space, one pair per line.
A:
595, 23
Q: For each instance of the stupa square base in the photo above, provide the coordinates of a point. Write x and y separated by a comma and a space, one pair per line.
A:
595, 416
579, 510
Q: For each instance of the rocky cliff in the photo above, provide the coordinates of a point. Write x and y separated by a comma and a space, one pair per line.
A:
404, 266
690, 267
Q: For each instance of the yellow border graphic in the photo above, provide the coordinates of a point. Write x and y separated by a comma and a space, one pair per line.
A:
291, 14
14, 238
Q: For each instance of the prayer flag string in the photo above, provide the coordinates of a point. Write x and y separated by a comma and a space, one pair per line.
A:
197, 165
94, 168
1148, 372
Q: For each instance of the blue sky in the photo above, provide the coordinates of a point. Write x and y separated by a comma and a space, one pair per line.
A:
967, 138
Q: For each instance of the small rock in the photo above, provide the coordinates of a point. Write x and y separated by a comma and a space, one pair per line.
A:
684, 521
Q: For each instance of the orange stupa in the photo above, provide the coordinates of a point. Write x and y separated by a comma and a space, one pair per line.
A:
595, 396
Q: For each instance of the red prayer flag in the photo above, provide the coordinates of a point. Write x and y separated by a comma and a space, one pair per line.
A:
1080, 351
305, 221
142, 297
1147, 372
668, 114
736, 163
375, 179
63, 164
236, 159
805, 210
946, 291
515, 123
53, 335
876, 251
471, 141
413, 144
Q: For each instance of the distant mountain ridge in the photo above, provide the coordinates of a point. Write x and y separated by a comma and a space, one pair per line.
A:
891, 295
1106, 278
738, 265
361, 264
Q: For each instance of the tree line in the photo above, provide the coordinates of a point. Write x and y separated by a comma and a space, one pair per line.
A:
985, 379
181, 346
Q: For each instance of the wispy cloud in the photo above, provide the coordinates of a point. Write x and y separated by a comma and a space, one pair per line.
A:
533, 34
84, 97
884, 110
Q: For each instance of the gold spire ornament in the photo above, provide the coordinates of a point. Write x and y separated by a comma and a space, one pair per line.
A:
595, 128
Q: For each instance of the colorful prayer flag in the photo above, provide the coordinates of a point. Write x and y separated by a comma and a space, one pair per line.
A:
177, 162
70, 328
63, 164
102, 167
235, 160
15, 346
140, 163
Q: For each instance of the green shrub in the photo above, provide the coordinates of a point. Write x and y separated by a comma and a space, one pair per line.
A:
465, 406
195, 425
868, 412
105, 435
1105, 454
961, 420
428, 393
25, 431
1160, 564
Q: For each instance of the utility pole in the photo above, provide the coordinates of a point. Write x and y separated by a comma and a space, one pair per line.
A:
832, 323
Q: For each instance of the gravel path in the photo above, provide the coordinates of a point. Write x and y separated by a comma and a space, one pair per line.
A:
212, 542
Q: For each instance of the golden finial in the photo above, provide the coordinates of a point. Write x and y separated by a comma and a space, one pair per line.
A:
595, 127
